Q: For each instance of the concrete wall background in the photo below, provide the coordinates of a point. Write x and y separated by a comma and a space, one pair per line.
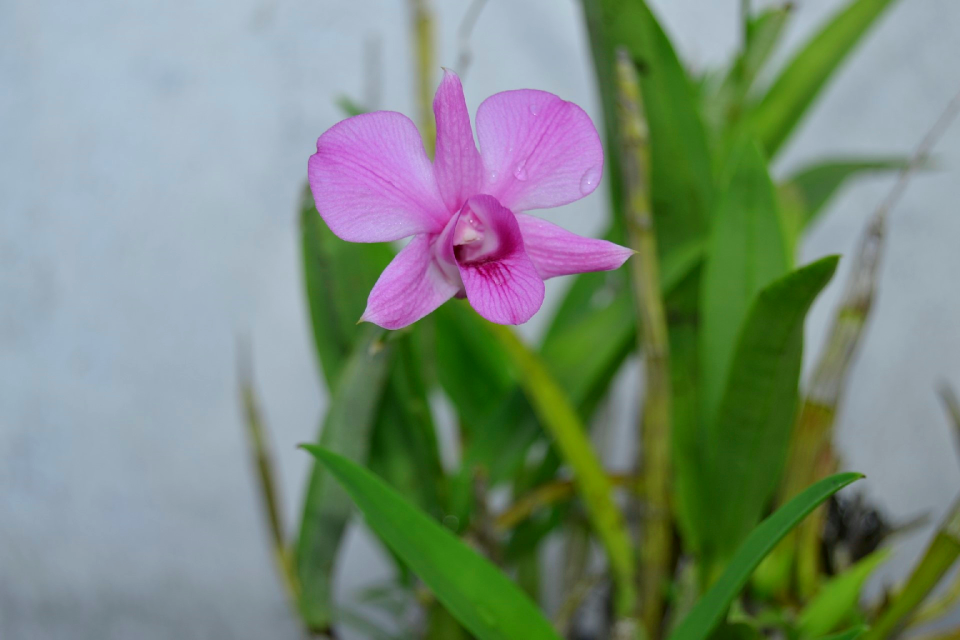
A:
151, 155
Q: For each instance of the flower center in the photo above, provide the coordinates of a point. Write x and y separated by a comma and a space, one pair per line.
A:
472, 239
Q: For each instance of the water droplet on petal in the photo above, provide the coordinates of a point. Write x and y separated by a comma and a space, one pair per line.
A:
534, 109
589, 180
520, 173
493, 177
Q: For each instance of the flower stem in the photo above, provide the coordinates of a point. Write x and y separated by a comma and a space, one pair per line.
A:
421, 18
654, 424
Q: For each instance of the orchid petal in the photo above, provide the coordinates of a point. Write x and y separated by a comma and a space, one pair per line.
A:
538, 151
372, 180
409, 288
558, 252
457, 162
503, 286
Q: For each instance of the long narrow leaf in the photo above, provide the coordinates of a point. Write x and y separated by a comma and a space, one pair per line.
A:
838, 598
749, 439
570, 437
746, 252
941, 554
681, 180
337, 275
800, 83
473, 590
347, 428
805, 194
709, 611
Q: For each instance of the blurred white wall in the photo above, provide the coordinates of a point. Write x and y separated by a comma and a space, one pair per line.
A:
151, 155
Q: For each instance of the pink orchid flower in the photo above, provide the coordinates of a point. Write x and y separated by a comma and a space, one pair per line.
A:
373, 182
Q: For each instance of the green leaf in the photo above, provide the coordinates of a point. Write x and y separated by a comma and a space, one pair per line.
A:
849, 634
746, 252
474, 591
941, 554
338, 276
349, 421
350, 106
763, 35
567, 431
710, 610
747, 443
404, 449
681, 179
471, 366
724, 105
735, 631
838, 597
799, 84
811, 188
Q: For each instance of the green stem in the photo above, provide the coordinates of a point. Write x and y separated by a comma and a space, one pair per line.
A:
422, 26
654, 424
561, 421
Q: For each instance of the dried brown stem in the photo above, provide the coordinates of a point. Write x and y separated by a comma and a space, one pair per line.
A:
262, 459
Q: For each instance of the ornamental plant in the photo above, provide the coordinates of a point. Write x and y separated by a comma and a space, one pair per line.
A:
728, 524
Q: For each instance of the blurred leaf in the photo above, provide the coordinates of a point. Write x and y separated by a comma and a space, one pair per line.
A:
338, 276
474, 591
763, 34
941, 554
800, 83
471, 366
350, 106
746, 252
747, 443
838, 597
711, 609
350, 419
561, 421
681, 180
404, 449
849, 634
591, 336
735, 631
723, 106
810, 189
582, 355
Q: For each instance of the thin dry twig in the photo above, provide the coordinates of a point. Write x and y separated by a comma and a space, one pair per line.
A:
547, 494
262, 459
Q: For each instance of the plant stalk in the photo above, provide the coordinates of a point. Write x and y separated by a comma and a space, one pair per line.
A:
654, 423
422, 23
